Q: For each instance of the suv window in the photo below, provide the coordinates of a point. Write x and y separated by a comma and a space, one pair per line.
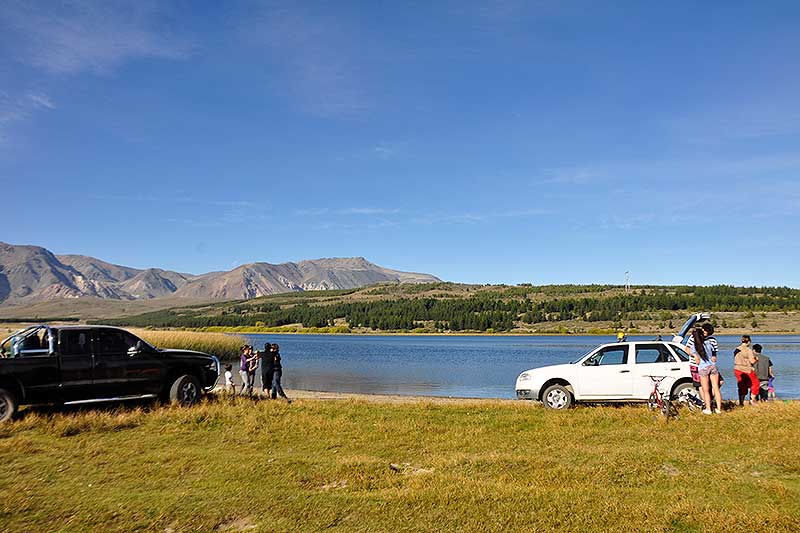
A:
653, 353
112, 341
75, 342
610, 355
682, 355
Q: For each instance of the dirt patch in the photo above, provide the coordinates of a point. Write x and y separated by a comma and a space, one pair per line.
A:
239, 524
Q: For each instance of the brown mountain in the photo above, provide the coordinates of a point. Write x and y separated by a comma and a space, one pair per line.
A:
29, 274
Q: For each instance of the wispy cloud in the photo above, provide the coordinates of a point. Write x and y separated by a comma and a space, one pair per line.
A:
478, 216
196, 222
569, 176
172, 197
366, 211
86, 35
41, 100
318, 54
15, 110
387, 150
741, 118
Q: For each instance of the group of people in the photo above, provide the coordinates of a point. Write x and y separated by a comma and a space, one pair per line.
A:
753, 370
271, 371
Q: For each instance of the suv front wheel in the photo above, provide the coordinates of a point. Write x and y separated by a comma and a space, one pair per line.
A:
185, 390
557, 397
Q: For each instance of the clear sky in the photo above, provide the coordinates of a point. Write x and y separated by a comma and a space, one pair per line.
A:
483, 142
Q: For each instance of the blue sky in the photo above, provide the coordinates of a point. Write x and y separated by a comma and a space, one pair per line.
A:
483, 142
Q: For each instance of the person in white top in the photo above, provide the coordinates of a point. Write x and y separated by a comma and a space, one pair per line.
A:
230, 386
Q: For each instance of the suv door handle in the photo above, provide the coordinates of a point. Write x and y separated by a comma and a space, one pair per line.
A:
674, 368
624, 371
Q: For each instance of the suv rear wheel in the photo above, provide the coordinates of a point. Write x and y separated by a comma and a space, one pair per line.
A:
185, 390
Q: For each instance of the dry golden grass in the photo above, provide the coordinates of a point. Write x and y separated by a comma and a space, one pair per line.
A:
224, 346
354, 465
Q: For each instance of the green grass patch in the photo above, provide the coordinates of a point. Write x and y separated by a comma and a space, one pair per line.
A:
353, 465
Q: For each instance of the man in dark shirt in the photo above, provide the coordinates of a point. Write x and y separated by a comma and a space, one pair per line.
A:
763, 369
267, 369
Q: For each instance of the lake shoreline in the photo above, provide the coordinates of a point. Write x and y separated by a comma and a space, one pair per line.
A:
664, 336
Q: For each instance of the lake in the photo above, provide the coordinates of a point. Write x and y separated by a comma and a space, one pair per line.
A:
471, 367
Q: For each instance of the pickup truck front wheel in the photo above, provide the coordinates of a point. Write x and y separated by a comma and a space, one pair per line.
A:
185, 390
8, 405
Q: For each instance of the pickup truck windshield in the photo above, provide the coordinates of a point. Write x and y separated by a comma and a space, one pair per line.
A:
31, 341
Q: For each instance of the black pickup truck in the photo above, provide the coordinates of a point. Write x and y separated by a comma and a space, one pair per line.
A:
76, 364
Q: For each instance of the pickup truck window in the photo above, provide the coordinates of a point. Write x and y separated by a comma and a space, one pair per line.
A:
75, 342
33, 342
111, 341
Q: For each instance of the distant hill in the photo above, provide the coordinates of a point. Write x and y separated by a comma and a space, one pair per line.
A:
31, 274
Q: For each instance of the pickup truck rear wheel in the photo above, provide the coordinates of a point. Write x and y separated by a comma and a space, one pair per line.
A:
8, 405
557, 397
185, 390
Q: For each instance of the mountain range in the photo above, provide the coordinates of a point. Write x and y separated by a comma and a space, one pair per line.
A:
30, 274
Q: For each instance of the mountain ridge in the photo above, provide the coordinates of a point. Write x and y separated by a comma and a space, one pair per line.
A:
30, 274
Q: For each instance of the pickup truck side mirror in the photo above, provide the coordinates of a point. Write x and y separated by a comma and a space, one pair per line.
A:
136, 350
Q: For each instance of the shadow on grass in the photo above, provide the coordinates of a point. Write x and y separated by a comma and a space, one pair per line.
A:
122, 407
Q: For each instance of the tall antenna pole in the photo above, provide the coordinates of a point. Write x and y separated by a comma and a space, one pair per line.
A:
627, 281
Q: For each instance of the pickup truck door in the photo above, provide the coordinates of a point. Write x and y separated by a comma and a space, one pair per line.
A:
35, 366
75, 352
606, 374
654, 359
121, 370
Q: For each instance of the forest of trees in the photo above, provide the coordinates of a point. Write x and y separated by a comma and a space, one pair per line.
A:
481, 311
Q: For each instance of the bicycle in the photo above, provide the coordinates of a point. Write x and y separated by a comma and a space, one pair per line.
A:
659, 400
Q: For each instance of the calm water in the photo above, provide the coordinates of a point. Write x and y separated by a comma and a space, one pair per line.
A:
481, 367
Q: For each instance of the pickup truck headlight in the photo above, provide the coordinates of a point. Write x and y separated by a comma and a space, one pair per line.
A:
524, 377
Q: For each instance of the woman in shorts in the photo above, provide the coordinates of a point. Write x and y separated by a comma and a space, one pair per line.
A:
707, 368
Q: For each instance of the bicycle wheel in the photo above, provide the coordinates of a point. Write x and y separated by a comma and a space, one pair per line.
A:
652, 401
686, 394
666, 408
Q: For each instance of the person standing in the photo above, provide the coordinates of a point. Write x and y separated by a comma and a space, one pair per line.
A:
707, 369
277, 369
267, 370
743, 360
763, 370
230, 386
252, 367
708, 334
244, 364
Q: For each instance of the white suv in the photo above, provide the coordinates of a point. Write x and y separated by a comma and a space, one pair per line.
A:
615, 372
612, 372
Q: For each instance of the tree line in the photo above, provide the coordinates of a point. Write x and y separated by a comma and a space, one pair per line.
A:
488, 310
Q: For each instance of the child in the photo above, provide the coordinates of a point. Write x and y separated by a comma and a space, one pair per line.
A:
771, 389
230, 386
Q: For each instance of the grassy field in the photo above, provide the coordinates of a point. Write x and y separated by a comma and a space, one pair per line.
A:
358, 465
